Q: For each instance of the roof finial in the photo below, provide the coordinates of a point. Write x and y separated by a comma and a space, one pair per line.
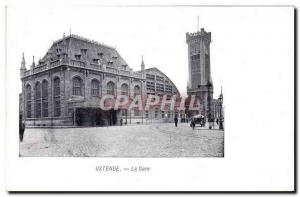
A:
221, 90
143, 64
197, 23
70, 32
23, 61
33, 63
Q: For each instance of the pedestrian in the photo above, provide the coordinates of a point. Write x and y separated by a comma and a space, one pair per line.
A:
193, 124
21, 131
176, 120
217, 121
121, 121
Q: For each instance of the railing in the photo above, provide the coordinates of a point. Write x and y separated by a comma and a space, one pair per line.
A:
40, 68
124, 72
139, 75
95, 66
54, 63
111, 69
26, 73
77, 63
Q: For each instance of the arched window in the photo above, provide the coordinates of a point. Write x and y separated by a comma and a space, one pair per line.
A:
137, 90
124, 89
28, 101
110, 88
45, 98
56, 96
95, 87
38, 97
77, 86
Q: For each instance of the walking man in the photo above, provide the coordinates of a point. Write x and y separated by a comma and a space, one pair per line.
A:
21, 131
176, 119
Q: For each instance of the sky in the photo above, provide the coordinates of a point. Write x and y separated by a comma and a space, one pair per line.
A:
156, 33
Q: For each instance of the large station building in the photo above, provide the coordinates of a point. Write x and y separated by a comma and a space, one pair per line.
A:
66, 85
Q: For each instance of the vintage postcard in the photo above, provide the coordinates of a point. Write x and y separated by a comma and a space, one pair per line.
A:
142, 92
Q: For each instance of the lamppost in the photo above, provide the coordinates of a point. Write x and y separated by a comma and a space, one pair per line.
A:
209, 100
221, 116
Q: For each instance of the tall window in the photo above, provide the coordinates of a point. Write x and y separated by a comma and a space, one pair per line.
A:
110, 88
162, 114
137, 90
77, 83
95, 87
156, 113
195, 69
136, 112
56, 96
124, 89
207, 67
38, 97
45, 98
28, 101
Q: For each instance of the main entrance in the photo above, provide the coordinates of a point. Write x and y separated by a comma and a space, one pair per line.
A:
94, 117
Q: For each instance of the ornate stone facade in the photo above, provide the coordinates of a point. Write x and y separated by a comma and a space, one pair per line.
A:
66, 85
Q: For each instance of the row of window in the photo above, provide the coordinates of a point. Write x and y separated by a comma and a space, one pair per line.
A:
155, 77
41, 99
95, 88
41, 94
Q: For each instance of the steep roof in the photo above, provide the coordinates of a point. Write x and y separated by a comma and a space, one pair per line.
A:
88, 49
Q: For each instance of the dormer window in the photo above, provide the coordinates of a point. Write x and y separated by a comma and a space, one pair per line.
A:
77, 57
100, 55
58, 50
124, 67
84, 51
114, 57
110, 62
95, 60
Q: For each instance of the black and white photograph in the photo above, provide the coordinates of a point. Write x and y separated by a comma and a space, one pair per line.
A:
83, 99
116, 92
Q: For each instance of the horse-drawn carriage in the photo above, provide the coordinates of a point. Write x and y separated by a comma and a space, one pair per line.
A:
198, 120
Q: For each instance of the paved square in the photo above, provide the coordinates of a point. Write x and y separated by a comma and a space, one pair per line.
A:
155, 140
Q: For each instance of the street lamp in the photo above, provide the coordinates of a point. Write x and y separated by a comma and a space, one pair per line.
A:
221, 117
209, 100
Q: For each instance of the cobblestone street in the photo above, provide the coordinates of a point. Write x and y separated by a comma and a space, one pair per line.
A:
155, 140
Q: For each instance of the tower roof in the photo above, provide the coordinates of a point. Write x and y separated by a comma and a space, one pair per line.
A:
199, 34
